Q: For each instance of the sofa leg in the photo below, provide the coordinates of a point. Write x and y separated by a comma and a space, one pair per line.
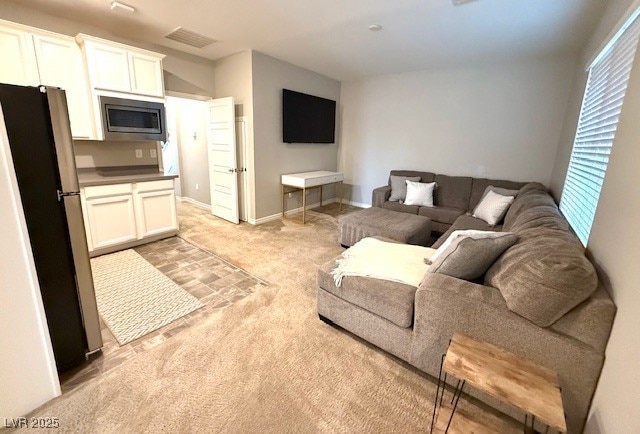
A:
326, 320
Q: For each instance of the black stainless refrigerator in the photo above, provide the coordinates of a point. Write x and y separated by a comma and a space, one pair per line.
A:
37, 124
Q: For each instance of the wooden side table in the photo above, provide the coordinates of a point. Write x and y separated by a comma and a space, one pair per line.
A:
511, 379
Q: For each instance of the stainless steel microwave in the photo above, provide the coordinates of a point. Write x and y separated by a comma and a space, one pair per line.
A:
127, 119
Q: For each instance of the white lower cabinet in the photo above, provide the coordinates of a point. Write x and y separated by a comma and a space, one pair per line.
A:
123, 214
155, 208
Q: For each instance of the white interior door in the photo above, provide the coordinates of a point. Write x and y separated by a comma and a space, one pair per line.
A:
223, 169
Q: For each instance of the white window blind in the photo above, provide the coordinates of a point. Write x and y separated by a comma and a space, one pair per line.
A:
601, 106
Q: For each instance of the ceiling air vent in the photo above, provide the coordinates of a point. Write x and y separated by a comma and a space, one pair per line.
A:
188, 37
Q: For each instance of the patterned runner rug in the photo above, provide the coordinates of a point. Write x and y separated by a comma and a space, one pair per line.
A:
135, 298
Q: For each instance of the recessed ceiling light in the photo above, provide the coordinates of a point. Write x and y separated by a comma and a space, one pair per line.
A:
375, 27
122, 7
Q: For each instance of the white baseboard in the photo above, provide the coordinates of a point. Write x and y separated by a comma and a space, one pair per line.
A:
194, 202
278, 216
358, 204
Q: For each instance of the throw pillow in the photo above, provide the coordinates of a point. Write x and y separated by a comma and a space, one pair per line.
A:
457, 234
399, 186
500, 191
419, 194
493, 207
469, 258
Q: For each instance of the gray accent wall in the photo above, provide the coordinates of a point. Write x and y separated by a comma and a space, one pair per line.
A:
273, 157
614, 243
490, 120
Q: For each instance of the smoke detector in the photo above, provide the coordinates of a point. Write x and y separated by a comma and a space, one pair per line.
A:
189, 37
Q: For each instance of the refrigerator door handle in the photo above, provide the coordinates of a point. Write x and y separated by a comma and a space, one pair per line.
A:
66, 194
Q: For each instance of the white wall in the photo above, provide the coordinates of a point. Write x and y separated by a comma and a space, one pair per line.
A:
614, 243
272, 156
191, 127
28, 376
499, 121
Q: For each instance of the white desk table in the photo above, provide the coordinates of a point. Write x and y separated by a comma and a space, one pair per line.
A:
307, 180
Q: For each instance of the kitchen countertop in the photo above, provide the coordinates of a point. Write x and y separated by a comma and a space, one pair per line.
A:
120, 175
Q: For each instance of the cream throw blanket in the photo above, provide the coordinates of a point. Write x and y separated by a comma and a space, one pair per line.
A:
377, 259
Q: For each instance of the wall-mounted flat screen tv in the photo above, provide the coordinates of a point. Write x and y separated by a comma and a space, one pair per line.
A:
307, 118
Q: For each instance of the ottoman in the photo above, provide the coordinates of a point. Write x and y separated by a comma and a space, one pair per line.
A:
374, 221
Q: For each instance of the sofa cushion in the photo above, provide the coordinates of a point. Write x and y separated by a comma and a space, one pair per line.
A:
544, 275
541, 216
469, 257
479, 185
392, 301
399, 186
530, 195
441, 214
463, 222
453, 191
400, 207
424, 176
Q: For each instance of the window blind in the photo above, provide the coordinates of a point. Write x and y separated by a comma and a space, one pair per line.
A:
601, 107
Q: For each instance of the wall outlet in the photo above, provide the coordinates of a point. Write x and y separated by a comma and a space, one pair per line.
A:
290, 195
138, 153
152, 153
197, 187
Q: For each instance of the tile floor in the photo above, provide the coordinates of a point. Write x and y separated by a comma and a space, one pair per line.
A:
215, 282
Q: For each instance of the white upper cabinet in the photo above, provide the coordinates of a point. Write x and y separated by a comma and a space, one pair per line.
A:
33, 57
60, 64
108, 67
18, 57
120, 68
146, 74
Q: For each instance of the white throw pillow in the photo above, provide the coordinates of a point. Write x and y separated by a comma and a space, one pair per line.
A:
473, 233
493, 207
419, 193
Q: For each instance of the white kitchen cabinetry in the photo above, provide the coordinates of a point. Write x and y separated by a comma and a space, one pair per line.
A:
155, 208
60, 64
109, 215
120, 68
123, 215
32, 57
146, 74
108, 67
18, 57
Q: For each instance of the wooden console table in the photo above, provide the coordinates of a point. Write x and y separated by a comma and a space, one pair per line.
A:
307, 180
502, 375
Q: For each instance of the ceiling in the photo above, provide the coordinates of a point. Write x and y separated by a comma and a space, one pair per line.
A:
331, 37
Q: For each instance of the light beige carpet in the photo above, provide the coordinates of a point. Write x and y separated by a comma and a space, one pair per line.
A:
264, 364
134, 297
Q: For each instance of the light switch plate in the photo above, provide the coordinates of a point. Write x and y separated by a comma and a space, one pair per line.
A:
138, 153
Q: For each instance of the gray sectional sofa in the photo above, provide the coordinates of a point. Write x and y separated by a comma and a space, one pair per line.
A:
454, 196
540, 299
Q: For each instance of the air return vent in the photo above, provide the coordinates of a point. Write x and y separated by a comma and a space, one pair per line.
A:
188, 37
